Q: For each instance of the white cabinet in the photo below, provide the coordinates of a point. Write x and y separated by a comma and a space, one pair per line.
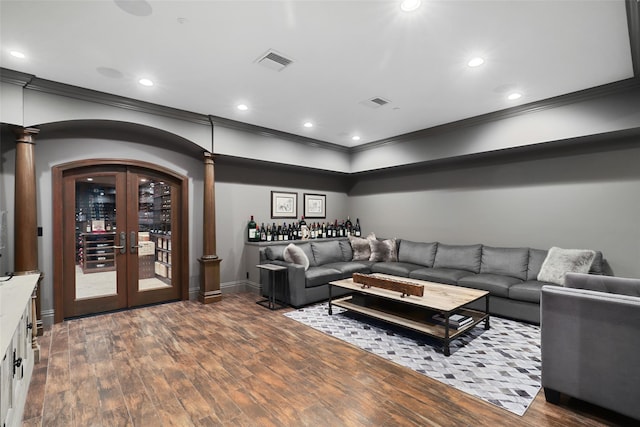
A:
17, 342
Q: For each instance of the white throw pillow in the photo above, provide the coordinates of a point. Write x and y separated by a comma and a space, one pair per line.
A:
562, 261
295, 254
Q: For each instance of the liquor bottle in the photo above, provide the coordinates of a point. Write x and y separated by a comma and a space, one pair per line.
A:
251, 228
314, 231
269, 235
304, 229
263, 233
323, 233
349, 226
285, 232
357, 230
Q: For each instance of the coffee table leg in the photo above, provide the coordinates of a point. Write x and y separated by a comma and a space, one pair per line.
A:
330, 308
486, 321
446, 349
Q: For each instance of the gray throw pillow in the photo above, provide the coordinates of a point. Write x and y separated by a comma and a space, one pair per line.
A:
296, 255
361, 248
562, 261
384, 250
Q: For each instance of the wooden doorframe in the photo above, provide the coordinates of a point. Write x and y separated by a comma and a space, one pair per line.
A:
58, 172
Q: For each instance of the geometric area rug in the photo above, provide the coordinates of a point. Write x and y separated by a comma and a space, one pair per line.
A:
500, 366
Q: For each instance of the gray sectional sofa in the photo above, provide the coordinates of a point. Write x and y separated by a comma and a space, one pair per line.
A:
509, 274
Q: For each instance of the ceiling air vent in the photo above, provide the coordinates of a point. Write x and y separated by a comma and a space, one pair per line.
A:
376, 102
274, 60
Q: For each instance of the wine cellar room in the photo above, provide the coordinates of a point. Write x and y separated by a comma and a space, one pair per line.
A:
99, 239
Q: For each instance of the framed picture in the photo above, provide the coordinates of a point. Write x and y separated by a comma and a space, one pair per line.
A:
284, 204
315, 205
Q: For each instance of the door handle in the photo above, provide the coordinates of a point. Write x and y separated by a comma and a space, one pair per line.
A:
123, 243
133, 242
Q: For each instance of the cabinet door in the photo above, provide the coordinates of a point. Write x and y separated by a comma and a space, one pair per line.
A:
6, 384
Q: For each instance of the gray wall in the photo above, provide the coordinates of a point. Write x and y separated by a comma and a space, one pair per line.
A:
54, 147
578, 197
577, 116
244, 189
7, 183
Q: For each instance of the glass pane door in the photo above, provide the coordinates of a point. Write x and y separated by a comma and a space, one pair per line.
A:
96, 237
95, 254
153, 239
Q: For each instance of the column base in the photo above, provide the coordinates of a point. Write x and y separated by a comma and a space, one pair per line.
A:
209, 280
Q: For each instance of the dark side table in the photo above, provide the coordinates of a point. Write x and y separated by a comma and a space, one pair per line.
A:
275, 272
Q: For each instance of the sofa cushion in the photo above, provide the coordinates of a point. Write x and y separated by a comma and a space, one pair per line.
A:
505, 261
527, 291
561, 261
316, 276
448, 276
496, 285
294, 254
458, 257
361, 248
536, 258
348, 268
347, 252
383, 250
395, 268
417, 253
326, 252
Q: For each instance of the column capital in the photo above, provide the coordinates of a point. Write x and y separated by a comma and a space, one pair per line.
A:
208, 158
26, 135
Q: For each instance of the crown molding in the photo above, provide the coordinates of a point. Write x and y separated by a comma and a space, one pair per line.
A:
83, 94
15, 77
31, 82
259, 130
545, 104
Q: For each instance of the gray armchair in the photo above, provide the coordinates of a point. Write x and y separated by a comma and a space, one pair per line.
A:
590, 338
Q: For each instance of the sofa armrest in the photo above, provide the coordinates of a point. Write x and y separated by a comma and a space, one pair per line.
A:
614, 285
590, 344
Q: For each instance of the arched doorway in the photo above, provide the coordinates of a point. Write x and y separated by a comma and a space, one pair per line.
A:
122, 236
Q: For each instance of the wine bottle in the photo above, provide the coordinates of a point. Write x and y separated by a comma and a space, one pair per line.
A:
251, 228
285, 232
349, 226
269, 235
358, 231
263, 233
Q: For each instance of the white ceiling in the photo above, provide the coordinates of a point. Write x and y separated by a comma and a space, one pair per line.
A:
201, 56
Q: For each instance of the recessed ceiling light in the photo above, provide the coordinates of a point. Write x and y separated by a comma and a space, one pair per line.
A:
145, 82
17, 54
410, 5
514, 95
355, 138
242, 107
475, 62
89, 179
308, 124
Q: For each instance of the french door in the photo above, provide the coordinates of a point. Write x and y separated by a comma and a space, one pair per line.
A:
121, 238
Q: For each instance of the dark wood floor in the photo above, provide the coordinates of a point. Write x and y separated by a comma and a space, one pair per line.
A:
237, 363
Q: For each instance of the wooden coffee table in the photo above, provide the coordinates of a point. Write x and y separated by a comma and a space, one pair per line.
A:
415, 312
